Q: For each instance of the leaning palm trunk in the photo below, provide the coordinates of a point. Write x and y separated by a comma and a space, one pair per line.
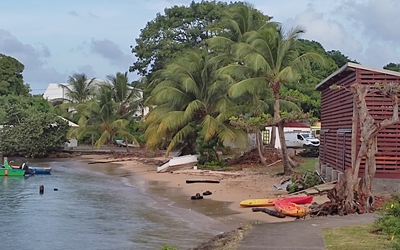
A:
273, 138
287, 168
126, 143
259, 147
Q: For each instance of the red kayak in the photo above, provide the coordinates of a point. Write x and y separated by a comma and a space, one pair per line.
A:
290, 208
299, 199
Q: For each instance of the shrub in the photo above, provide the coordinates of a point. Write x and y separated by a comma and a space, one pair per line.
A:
169, 248
389, 222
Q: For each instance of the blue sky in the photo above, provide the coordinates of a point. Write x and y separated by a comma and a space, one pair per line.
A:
55, 39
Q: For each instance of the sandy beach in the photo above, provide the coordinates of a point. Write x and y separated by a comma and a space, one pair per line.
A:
233, 187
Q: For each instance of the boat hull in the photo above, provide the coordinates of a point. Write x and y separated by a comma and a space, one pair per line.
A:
39, 170
179, 162
272, 201
36, 170
290, 208
11, 172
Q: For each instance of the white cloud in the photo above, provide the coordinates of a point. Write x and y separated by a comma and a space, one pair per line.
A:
36, 72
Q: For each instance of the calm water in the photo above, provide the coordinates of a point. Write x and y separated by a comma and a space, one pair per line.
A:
104, 209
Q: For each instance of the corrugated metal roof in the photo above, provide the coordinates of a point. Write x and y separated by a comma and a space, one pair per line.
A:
356, 66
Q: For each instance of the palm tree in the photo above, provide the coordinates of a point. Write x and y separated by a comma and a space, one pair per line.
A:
268, 59
190, 102
80, 89
100, 116
126, 96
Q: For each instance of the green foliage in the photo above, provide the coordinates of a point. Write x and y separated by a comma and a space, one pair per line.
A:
339, 58
389, 222
137, 129
169, 248
392, 66
14, 108
190, 100
178, 29
11, 80
127, 98
79, 88
307, 180
34, 136
207, 150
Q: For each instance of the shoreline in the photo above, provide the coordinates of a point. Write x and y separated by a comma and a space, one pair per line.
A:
232, 188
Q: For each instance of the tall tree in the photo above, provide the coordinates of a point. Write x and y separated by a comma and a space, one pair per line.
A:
392, 66
269, 59
127, 97
99, 116
11, 80
178, 29
15, 108
189, 102
35, 136
339, 58
79, 88
236, 24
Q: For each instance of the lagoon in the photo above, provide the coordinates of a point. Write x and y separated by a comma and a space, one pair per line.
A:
104, 209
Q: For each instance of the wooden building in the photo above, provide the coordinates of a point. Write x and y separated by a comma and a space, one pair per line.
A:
336, 120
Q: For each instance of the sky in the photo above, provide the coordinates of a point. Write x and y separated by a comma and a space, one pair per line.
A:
55, 39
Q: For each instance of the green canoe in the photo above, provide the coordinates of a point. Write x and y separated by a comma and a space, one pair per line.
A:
6, 170
11, 172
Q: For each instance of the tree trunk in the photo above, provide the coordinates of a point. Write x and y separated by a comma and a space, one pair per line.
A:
365, 186
259, 148
287, 168
126, 143
273, 137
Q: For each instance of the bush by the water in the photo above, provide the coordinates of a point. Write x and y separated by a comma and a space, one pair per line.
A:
389, 222
169, 248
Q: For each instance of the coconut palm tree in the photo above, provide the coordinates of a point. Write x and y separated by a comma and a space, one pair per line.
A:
267, 60
126, 96
99, 115
80, 88
190, 102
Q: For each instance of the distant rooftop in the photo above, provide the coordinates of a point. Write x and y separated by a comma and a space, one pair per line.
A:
56, 91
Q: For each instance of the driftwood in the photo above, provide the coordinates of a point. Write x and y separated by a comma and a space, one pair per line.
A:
338, 203
269, 211
201, 181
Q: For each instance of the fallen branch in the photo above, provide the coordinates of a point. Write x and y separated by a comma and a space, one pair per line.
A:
269, 165
269, 211
201, 181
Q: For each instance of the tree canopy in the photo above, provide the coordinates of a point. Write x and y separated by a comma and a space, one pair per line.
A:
30, 127
179, 28
11, 80
392, 66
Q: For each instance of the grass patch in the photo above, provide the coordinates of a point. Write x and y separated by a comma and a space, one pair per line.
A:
355, 238
306, 163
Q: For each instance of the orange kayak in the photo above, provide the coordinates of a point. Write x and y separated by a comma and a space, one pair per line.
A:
290, 208
272, 201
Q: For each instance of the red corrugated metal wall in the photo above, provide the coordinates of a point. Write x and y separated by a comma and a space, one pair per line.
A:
336, 123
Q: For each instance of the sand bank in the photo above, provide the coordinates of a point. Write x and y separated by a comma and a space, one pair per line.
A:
232, 188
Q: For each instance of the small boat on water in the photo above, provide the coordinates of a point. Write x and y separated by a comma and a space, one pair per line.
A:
33, 169
41, 170
7, 170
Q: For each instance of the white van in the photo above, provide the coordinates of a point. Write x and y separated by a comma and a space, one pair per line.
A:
300, 140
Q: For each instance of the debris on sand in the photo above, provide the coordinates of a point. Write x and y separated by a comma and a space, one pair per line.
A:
225, 241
